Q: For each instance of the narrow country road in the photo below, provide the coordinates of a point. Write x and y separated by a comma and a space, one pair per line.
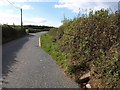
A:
26, 65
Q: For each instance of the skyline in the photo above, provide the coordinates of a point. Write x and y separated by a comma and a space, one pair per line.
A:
48, 13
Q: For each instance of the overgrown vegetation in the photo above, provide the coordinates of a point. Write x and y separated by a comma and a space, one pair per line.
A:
88, 44
52, 48
35, 28
11, 32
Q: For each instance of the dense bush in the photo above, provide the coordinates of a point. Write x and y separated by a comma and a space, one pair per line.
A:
94, 45
9, 33
35, 28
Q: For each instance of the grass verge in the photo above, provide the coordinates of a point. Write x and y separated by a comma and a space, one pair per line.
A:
52, 48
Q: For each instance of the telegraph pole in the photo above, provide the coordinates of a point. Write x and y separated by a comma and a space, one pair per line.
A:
21, 20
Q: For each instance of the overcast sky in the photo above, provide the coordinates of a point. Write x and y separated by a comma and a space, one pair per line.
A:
48, 12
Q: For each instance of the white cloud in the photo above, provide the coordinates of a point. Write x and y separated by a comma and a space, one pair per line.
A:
78, 5
9, 11
16, 4
9, 17
3, 3
34, 0
62, 0
21, 1
24, 6
34, 21
40, 21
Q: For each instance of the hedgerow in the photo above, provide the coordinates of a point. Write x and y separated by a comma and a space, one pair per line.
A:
9, 33
94, 45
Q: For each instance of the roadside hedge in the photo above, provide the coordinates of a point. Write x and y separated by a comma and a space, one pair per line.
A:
93, 44
9, 33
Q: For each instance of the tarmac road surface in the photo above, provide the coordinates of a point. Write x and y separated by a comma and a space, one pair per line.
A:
26, 65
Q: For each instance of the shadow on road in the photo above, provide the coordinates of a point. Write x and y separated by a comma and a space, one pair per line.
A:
9, 52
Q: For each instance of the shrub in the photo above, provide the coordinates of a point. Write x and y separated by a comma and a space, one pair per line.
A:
9, 33
93, 44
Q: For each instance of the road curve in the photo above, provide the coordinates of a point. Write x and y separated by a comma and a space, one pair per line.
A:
26, 65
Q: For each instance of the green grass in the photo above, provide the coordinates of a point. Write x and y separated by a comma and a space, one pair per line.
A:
52, 48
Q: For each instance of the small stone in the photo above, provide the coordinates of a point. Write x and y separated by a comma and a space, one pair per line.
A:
85, 78
88, 86
41, 60
85, 75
